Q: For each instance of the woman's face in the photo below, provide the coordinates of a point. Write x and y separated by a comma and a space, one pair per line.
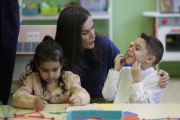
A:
88, 35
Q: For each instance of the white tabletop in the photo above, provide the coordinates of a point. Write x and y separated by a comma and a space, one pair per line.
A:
147, 111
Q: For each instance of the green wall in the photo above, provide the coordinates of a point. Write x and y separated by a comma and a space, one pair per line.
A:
128, 23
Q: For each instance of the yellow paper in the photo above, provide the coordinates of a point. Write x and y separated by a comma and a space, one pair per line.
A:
104, 105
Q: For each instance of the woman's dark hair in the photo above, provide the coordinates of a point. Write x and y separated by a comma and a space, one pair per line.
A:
69, 36
47, 50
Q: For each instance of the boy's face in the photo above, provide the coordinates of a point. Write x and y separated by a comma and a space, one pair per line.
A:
140, 51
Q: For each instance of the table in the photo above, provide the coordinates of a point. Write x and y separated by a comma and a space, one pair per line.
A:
147, 111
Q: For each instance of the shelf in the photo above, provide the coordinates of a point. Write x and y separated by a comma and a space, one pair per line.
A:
95, 16
103, 15
158, 14
25, 53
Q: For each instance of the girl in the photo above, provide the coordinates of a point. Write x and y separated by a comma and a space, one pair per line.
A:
47, 80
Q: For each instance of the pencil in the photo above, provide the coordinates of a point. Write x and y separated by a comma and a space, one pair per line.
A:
39, 95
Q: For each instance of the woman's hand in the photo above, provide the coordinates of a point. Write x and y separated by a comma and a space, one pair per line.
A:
117, 62
164, 79
75, 101
23, 77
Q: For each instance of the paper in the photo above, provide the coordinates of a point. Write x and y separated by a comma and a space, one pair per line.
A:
104, 105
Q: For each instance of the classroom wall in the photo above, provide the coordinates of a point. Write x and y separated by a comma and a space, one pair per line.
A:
128, 23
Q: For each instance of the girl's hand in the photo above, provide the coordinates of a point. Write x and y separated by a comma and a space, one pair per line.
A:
23, 77
40, 103
117, 62
136, 72
164, 79
75, 101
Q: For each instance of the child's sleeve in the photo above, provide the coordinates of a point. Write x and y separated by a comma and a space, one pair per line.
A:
77, 90
23, 97
111, 85
150, 93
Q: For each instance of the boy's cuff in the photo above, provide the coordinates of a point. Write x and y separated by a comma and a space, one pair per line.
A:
136, 86
114, 74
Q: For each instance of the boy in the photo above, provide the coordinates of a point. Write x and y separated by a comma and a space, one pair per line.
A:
136, 84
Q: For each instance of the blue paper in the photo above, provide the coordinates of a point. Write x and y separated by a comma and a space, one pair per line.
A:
129, 113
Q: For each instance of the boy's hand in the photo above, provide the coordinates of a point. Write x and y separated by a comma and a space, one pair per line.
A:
117, 65
136, 72
75, 101
40, 103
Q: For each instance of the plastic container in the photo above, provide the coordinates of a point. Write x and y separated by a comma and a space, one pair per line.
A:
93, 5
113, 115
30, 11
49, 11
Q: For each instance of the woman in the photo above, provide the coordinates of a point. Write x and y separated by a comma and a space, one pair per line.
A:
88, 54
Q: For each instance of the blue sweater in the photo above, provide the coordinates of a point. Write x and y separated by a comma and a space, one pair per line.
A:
93, 79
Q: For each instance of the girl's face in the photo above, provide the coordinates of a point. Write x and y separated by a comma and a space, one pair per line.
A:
140, 50
88, 35
49, 71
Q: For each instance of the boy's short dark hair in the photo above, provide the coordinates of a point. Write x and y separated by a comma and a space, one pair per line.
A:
154, 47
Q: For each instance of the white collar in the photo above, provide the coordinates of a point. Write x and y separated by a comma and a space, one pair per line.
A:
147, 71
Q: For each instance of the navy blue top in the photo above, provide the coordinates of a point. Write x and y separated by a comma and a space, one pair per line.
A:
93, 79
